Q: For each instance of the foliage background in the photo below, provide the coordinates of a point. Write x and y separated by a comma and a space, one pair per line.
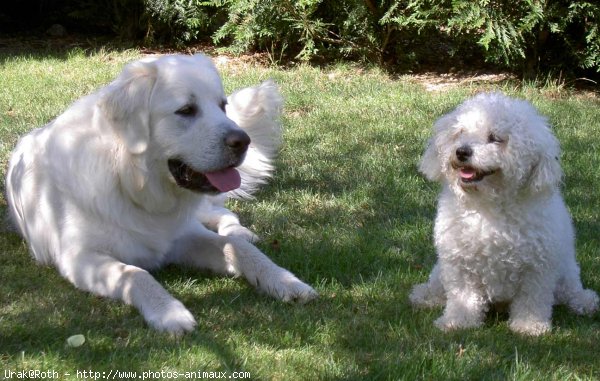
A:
532, 38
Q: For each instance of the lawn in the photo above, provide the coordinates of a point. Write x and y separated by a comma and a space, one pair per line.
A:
347, 212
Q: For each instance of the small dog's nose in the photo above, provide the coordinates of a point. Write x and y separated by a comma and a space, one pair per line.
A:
463, 153
237, 140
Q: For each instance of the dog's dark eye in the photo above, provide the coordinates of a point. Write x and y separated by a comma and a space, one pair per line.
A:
187, 110
493, 138
223, 104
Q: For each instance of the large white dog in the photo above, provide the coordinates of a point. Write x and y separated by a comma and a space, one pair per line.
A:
502, 231
129, 178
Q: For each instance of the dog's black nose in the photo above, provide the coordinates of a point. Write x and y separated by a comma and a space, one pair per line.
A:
237, 140
463, 153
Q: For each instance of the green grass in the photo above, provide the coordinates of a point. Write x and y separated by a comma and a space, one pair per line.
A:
347, 212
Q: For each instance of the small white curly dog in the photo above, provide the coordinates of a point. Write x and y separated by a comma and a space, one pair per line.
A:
502, 231
133, 176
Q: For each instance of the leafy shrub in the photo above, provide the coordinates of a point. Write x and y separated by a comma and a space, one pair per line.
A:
525, 36
577, 25
532, 35
180, 21
304, 30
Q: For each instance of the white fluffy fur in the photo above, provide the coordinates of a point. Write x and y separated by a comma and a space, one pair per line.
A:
508, 236
92, 194
256, 110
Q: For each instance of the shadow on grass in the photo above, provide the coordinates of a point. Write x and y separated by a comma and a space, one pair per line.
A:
40, 310
40, 47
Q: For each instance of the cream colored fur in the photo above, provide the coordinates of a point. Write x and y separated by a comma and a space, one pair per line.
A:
92, 194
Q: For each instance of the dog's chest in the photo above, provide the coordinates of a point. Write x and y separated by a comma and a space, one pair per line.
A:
493, 253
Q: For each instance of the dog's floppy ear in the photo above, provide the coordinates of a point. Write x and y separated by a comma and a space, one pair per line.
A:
430, 163
126, 102
546, 173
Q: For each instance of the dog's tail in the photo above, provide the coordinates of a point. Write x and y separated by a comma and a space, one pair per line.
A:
257, 111
570, 291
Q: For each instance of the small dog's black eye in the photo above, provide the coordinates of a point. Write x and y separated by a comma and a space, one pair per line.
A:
223, 104
187, 110
493, 138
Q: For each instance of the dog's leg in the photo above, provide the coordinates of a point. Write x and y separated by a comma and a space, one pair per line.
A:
216, 217
531, 308
234, 256
105, 276
465, 308
430, 294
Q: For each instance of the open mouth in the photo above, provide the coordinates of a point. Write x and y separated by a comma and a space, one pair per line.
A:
220, 181
470, 175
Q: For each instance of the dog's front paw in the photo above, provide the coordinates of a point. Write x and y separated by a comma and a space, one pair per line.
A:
286, 287
236, 230
530, 327
171, 317
448, 324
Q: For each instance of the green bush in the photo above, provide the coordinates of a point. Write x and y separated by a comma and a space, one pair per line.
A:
180, 21
578, 32
526, 36
304, 30
530, 37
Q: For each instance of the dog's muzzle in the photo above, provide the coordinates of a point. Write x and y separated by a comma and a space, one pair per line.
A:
468, 174
222, 180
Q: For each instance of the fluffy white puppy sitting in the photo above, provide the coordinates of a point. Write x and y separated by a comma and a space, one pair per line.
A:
127, 179
502, 231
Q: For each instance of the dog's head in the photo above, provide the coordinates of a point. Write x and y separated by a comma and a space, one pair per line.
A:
171, 111
493, 145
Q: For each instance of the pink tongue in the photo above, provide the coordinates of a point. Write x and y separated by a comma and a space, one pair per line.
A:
467, 173
225, 180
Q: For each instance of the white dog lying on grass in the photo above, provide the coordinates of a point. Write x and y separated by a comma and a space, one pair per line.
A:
502, 231
123, 182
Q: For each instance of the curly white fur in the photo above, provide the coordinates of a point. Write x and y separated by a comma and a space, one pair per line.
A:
502, 231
